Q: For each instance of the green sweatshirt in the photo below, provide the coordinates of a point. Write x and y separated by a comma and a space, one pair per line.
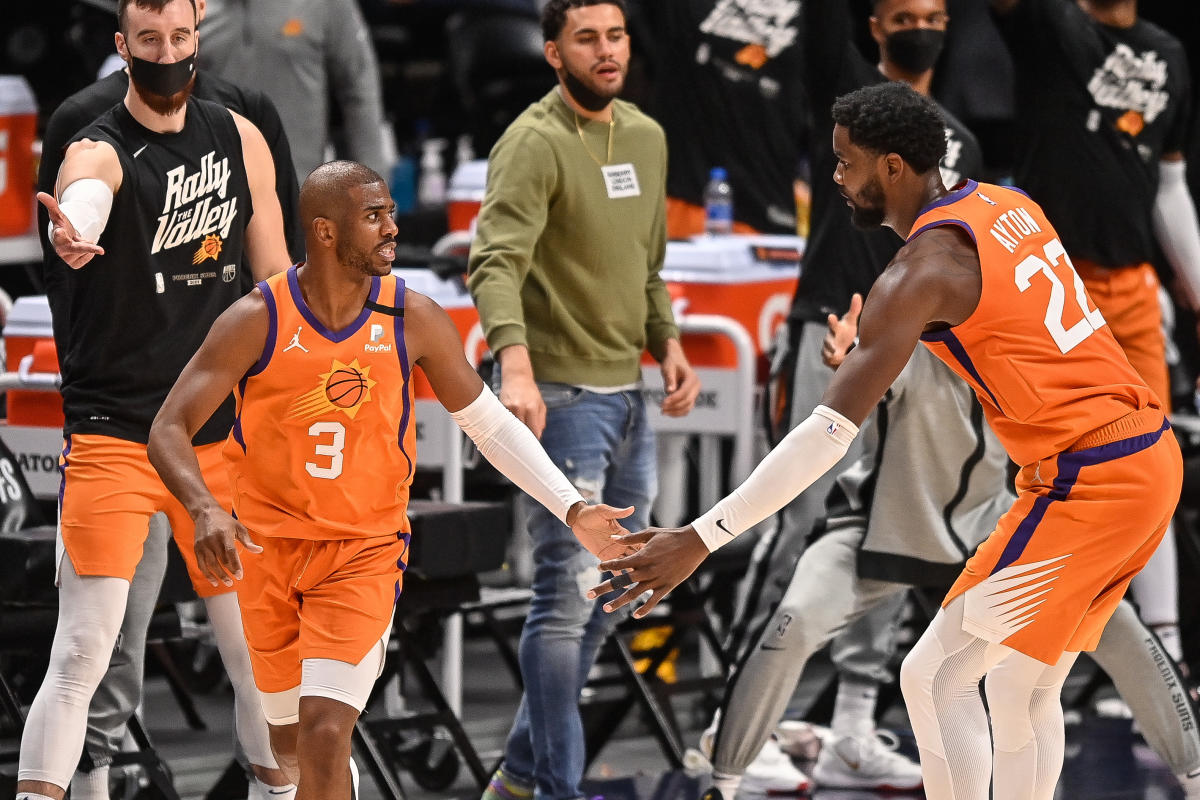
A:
558, 265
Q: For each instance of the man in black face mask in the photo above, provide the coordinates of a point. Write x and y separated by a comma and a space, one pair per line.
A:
156, 201
841, 262
120, 690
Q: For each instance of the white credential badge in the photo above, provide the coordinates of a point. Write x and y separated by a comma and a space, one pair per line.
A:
621, 181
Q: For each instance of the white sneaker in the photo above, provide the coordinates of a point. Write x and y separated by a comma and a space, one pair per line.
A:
853, 762
772, 772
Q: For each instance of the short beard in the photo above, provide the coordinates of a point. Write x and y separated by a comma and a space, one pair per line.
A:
583, 94
869, 217
164, 105
358, 260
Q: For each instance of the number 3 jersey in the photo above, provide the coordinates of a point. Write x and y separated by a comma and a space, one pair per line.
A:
324, 442
1036, 350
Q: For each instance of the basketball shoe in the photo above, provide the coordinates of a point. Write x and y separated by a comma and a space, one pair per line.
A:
771, 772
865, 762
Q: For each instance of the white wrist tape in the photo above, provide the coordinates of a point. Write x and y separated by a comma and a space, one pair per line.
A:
513, 449
805, 454
87, 203
1175, 224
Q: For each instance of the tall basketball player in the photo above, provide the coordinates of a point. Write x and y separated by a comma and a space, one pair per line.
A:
322, 455
985, 283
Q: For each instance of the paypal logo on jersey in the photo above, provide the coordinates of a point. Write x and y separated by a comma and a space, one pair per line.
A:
373, 346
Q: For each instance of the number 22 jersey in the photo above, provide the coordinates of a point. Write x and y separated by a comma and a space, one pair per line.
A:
1036, 349
324, 442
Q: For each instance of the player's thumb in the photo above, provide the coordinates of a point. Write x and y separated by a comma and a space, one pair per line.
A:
243, 536
616, 513
856, 304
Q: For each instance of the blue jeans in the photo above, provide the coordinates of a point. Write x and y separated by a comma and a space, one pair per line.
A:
604, 445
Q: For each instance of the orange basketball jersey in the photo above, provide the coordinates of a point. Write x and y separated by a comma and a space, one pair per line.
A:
324, 442
1036, 350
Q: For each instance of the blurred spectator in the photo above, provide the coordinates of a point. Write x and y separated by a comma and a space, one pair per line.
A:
728, 93
304, 55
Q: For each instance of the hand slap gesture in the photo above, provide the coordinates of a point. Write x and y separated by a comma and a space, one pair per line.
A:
596, 528
665, 557
70, 246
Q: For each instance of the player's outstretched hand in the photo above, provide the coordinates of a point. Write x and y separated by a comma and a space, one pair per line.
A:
665, 557
70, 246
842, 333
595, 527
217, 535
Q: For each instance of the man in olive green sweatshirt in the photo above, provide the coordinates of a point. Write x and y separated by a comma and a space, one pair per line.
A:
565, 272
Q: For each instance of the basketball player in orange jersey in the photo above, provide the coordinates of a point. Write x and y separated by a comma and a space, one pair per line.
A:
322, 455
985, 283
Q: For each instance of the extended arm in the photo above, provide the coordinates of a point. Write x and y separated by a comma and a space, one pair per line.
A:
232, 347
434, 345
906, 298
266, 246
1175, 224
87, 181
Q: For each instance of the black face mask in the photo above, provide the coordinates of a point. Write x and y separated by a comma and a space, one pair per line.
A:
916, 49
162, 79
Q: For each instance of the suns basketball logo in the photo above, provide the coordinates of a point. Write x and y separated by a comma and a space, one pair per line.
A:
345, 387
209, 248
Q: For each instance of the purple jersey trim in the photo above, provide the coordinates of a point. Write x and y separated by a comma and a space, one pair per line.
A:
1069, 465
333, 336
959, 352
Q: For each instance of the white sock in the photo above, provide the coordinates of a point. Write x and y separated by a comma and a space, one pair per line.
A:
32, 796
727, 785
269, 792
854, 709
90, 785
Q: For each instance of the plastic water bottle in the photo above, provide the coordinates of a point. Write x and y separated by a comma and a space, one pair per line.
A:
718, 203
431, 187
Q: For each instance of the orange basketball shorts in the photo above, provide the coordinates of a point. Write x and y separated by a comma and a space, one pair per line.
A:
1128, 299
1085, 521
317, 598
108, 493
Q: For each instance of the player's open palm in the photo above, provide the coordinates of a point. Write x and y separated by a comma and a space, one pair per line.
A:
664, 559
217, 535
842, 333
596, 526
68, 243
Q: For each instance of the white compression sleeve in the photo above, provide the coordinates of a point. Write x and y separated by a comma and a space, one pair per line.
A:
87, 203
1175, 224
513, 449
804, 455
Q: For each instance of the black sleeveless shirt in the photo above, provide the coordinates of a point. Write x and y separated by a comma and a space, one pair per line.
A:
172, 254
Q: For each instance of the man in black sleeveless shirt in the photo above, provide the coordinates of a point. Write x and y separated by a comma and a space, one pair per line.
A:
159, 198
120, 690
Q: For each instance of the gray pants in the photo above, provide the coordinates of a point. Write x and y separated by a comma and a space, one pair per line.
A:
825, 595
120, 690
863, 650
